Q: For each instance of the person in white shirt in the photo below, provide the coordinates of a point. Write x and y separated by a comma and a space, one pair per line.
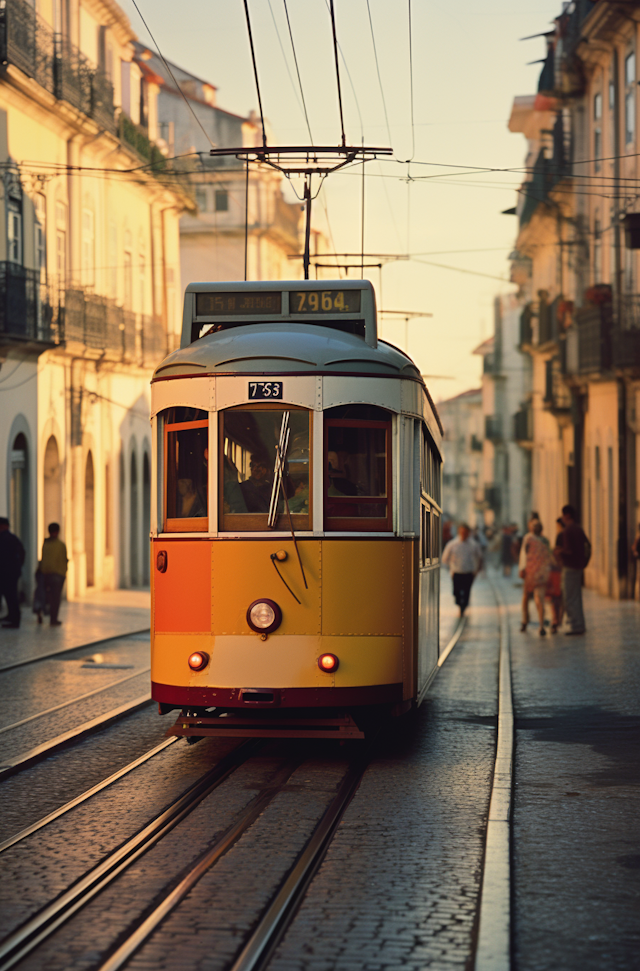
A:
463, 556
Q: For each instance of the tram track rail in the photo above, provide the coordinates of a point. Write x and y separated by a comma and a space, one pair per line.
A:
87, 794
68, 738
73, 701
21, 942
89, 646
274, 921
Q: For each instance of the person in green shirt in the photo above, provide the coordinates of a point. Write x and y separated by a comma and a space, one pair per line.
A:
53, 567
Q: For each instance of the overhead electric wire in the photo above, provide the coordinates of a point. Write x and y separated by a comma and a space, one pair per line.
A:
171, 74
375, 54
255, 72
335, 52
295, 60
413, 127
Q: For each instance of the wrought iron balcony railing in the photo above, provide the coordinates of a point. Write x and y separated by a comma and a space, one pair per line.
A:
27, 41
28, 309
97, 322
523, 425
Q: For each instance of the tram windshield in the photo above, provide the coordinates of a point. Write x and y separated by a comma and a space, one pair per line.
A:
249, 439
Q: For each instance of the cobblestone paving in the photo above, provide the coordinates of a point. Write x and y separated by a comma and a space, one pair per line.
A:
577, 802
37, 687
106, 614
36, 791
399, 884
42, 866
212, 922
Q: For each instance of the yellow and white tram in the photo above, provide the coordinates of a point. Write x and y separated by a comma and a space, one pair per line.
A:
296, 521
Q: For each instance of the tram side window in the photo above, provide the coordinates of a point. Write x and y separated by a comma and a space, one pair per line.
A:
249, 437
431, 471
186, 450
357, 450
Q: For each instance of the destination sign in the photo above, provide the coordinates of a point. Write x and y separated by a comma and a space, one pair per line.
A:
230, 304
324, 301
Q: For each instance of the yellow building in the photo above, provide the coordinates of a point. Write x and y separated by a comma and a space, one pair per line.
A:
89, 285
578, 212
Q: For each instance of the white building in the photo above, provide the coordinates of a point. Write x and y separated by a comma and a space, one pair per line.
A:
462, 420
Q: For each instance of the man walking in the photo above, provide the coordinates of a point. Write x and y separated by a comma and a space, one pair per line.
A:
53, 567
11, 560
573, 550
464, 558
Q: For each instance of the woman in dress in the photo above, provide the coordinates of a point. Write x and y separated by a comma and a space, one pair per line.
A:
535, 569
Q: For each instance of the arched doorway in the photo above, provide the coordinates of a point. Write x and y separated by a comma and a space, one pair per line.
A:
19, 493
134, 520
52, 484
146, 517
89, 520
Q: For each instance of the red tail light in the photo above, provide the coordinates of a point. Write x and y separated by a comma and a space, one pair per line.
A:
328, 663
198, 660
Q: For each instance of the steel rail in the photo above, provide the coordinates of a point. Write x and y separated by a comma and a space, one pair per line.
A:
57, 813
38, 928
204, 863
61, 741
73, 701
78, 647
267, 935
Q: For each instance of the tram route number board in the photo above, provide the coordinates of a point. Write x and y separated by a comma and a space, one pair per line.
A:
265, 390
324, 302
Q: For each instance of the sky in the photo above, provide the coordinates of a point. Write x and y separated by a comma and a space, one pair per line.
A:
468, 65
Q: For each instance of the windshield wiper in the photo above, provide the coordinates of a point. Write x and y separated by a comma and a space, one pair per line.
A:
278, 483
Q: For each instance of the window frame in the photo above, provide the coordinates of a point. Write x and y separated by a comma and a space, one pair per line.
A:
358, 524
256, 522
191, 524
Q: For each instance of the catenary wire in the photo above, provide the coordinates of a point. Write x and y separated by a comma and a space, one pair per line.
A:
335, 52
375, 54
295, 60
162, 58
255, 72
413, 127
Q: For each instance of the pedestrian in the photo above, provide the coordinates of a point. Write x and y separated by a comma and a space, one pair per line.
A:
506, 550
573, 550
53, 567
464, 558
535, 567
12, 557
554, 586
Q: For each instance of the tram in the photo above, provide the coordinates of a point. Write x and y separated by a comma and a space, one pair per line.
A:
296, 533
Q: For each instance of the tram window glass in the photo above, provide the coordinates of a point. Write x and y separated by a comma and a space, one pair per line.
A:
431, 471
357, 469
186, 449
249, 437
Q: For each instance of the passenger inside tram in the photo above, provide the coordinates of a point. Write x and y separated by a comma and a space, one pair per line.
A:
256, 490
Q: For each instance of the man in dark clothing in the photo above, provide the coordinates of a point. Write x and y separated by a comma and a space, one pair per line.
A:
573, 549
11, 559
256, 490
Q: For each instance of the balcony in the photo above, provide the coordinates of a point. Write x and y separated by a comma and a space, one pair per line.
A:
28, 314
526, 328
135, 137
557, 398
523, 425
493, 428
27, 42
98, 323
591, 343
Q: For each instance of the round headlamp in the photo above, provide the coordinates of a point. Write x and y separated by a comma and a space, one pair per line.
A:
264, 616
198, 660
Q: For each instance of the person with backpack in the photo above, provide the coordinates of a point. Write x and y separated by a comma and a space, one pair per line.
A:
573, 550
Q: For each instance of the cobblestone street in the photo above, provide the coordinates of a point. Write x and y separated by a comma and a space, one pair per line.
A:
400, 882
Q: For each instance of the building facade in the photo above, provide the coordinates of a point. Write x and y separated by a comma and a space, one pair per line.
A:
231, 207
578, 221
89, 285
463, 423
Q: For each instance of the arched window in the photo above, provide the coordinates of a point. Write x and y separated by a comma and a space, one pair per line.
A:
19, 489
134, 523
52, 484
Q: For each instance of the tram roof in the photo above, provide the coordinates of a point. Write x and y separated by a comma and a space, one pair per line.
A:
283, 347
